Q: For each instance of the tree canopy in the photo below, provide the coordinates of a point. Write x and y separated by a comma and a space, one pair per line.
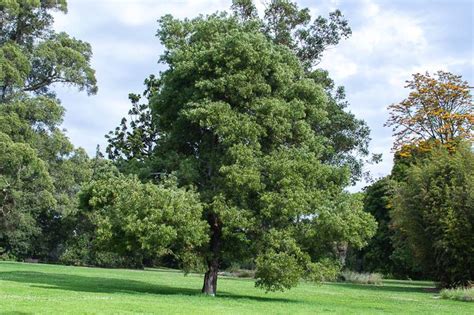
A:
346, 136
33, 56
439, 108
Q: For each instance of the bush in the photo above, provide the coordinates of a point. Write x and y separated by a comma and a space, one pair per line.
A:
81, 251
324, 270
362, 278
458, 294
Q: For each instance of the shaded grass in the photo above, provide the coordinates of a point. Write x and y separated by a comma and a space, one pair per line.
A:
52, 289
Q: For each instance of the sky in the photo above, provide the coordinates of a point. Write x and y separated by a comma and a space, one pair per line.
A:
390, 41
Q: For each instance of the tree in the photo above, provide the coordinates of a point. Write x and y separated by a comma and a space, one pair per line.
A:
433, 208
341, 225
32, 58
238, 118
134, 141
439, 108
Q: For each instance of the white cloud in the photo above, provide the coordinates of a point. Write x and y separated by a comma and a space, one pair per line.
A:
141, 12
386, 48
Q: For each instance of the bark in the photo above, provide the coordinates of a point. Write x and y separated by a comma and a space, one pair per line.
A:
341, 252
210, 278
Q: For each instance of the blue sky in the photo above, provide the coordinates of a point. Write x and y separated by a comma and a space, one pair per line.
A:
390, 41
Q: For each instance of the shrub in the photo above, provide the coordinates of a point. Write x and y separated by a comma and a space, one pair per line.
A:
362, 278
324, 270
459, 294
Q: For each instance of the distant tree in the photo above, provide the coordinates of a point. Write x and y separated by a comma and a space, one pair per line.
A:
376, 256
439, 109
26, 191
433, 208
32, 58
341, 225
134, 140
387, 252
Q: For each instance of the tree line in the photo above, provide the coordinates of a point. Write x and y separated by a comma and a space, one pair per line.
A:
240, 152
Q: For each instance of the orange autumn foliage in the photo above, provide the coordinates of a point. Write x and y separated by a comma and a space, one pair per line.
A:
438, 109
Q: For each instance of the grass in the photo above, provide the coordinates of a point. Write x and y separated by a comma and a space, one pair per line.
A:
50, 289
461, 294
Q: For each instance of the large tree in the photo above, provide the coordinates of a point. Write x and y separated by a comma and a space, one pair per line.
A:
238, 116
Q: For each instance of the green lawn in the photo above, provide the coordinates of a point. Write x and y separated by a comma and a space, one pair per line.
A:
50, 289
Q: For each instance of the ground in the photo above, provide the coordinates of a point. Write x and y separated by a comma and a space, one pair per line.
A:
52, 289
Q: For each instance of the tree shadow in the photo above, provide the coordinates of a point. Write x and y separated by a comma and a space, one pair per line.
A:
416, 283
389, 287
58, 281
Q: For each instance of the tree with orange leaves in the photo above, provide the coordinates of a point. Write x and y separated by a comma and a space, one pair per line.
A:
439, 108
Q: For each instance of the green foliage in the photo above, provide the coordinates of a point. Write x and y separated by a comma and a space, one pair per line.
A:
281, 263
325, 270
26, 193
433, 209
132, 217
286, 24
387, 252
33, 56
339, 225
134, 141
458, 294
240, 116
346, 137
240, 122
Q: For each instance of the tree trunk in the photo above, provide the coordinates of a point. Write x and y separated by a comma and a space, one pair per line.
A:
210, 279
341, 252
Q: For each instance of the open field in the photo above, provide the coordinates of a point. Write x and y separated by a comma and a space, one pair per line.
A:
51, 289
